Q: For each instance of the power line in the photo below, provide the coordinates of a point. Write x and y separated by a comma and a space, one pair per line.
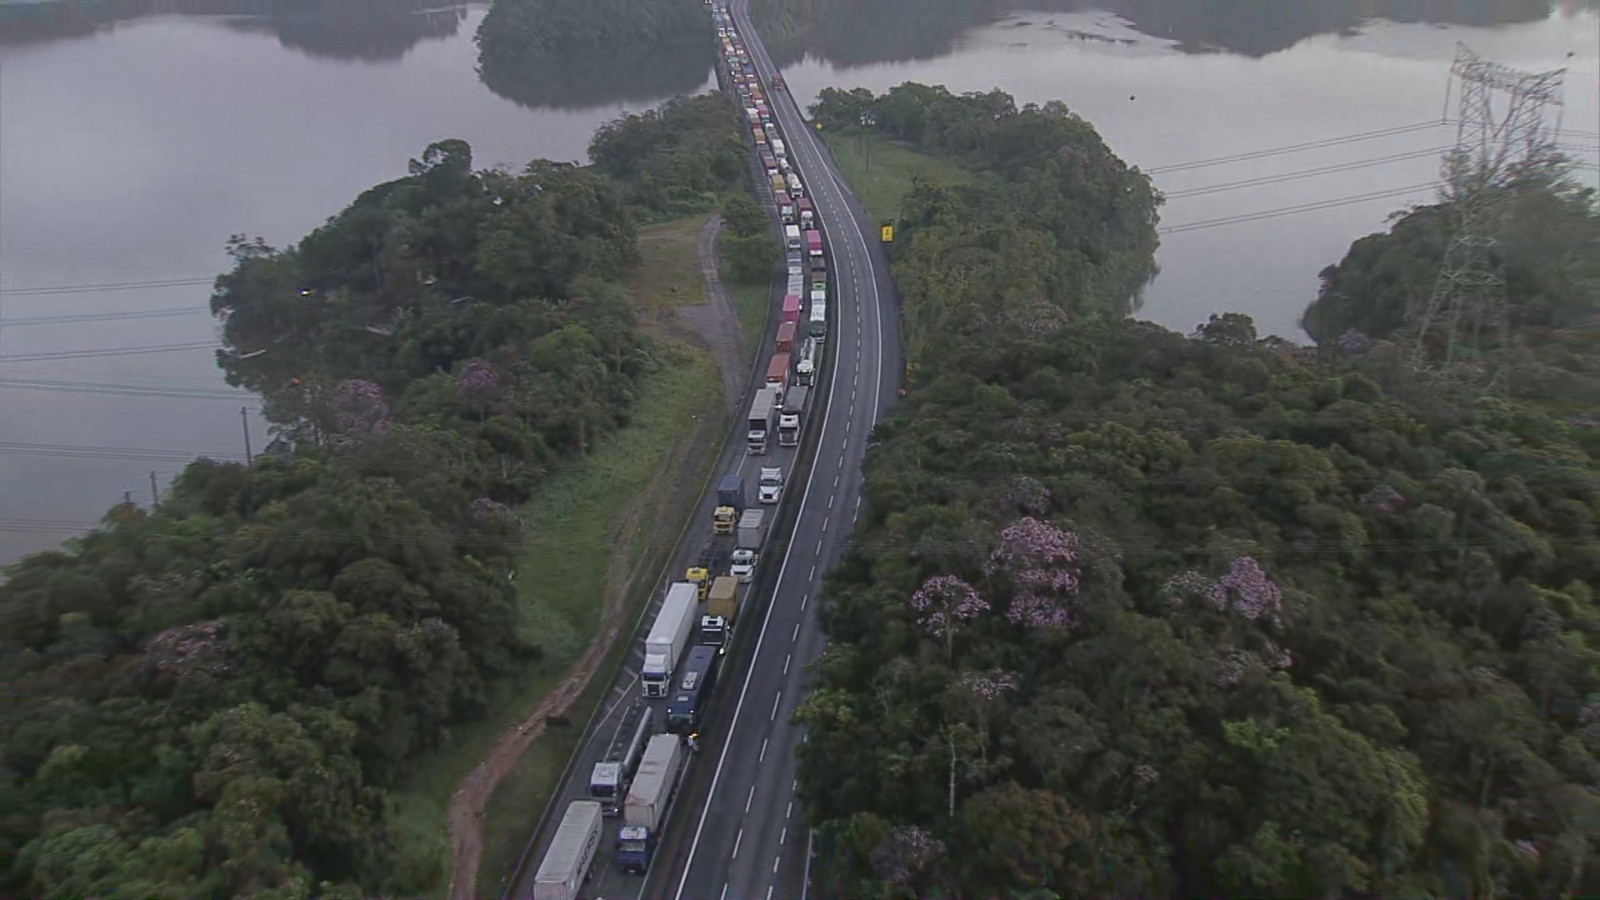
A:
1295, 148
108, 286
28, 321
123, 389
1299, 208
114, 351
1304, 173
97, 452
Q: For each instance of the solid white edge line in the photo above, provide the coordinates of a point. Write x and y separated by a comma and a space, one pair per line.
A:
833, 384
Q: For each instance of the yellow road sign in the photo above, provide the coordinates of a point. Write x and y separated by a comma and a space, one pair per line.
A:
888, 234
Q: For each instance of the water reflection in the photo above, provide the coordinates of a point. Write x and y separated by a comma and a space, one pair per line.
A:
635, 73
861, 32
370, 30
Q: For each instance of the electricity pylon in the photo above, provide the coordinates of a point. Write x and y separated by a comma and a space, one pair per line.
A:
1493, 147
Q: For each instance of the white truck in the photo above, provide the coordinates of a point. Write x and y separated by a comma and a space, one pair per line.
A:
794, 411
566, 864
752, 533
795, 187
763, 415
778, 149
770, 488
649, 800
805, 370
668, 637
791, 235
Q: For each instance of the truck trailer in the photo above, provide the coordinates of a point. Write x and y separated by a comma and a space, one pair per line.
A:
778, 373
649, 801
752, 533
785, 341
722, 610
790, 419
805, 371
731, 501
608, 780
686, 708
668, 636
791, 233
814, 243
762, 418
566, 864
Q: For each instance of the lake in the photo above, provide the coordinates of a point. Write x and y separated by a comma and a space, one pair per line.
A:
137, 135
133, 144
1171, 84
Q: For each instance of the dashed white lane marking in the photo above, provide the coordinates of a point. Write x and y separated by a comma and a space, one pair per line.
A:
775, 699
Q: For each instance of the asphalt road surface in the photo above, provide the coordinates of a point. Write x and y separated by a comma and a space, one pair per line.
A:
734, 829
747, 838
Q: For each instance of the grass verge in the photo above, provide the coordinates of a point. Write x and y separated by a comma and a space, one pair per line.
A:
571, 544
880, 171
750, 304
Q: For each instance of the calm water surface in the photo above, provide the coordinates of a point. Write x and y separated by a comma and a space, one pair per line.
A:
1169, 85
131, 150
132, 145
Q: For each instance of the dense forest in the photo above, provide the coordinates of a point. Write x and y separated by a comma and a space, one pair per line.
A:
572, 54
1134, 613
212, 698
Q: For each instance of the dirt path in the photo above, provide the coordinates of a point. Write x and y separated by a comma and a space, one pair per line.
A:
715, 322
716, 327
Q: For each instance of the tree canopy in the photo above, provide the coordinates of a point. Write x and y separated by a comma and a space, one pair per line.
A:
212, 698
1133, 613
572, 54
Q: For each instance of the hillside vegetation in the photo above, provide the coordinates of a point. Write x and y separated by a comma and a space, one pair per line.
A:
214, 698
1133, 613
578, 54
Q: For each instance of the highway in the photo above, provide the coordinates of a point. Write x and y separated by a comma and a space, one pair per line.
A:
735, 828
748, 839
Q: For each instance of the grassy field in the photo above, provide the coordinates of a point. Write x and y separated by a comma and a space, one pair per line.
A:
571, 542
751, 302
880, 171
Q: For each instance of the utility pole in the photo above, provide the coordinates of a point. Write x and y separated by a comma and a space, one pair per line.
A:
244, 419
1468, 303
155, 492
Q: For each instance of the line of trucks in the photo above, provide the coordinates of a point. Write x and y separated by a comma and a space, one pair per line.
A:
638, 776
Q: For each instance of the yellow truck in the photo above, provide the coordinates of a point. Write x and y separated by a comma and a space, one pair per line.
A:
722, 608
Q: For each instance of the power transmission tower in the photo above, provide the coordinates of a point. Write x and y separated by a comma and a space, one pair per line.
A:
1493, 148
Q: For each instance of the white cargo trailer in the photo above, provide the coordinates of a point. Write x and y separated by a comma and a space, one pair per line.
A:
566, 864
668, 637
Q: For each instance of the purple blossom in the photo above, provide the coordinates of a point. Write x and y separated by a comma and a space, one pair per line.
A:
989, 685
945, 601
479, 384
1384, 498
904, 853
1228, 668
1247, 590
1045, 566
1354, 343
359, 408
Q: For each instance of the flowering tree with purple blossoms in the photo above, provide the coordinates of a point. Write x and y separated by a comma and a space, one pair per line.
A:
1247, 590
479, 385
1045, 566
945, 603
359, 408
